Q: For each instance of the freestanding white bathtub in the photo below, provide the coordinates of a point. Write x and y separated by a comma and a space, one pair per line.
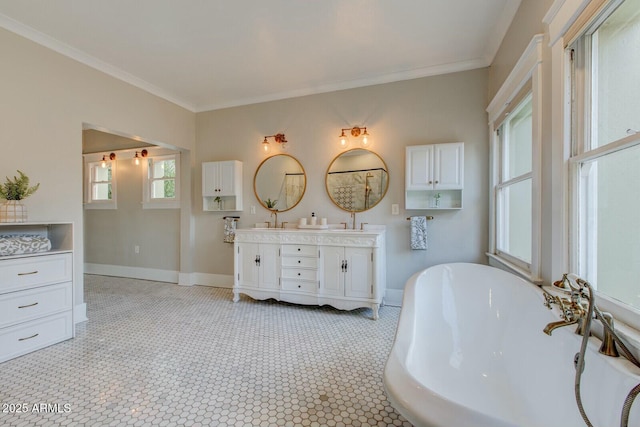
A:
470, 351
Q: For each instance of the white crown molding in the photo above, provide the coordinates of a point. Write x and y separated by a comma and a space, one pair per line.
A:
42, 39
353, 84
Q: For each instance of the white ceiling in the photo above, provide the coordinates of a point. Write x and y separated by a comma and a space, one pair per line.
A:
209, 54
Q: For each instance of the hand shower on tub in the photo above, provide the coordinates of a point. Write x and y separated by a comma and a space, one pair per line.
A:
576, 311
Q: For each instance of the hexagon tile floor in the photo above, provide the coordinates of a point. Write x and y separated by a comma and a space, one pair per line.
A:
157, 354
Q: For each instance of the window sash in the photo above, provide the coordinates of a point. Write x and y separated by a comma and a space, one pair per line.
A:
586, 151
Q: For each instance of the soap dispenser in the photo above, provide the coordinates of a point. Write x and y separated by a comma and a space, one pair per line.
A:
314, 220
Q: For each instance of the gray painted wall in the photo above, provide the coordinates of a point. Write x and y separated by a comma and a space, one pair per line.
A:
110, 235
46, 98
438, 109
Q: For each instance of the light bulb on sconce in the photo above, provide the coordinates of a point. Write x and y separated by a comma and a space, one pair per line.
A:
366, 141
136, 158
344, 142
112, 157
355, 131
279, 138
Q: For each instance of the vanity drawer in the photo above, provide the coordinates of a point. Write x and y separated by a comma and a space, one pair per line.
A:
299, 273
299, 285
294, 261
17, 307
300, 250
36, 334
28, 272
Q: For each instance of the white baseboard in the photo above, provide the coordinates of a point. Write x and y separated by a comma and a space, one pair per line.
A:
80, 313
215, 280
132, 272
393, 297
183, 279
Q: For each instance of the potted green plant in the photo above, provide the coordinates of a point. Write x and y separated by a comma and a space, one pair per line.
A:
13, 191
271, 204
218, 200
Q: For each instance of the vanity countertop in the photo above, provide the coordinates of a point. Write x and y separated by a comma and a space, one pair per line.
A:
332, 235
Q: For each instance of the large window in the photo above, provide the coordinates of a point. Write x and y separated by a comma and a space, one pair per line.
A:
515, 126
605, 158
513, 189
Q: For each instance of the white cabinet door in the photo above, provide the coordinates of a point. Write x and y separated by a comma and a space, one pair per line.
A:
346, 271
419, 167
358, 272
226, 178
258, 265
248, 271
448, 166
332, 267
269, 266
218, 178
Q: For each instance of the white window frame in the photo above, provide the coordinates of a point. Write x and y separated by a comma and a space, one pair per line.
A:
92, 161
582, 127
527, 71
159, 203
565, 20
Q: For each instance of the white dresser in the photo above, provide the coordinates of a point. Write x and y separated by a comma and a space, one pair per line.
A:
345, 269
36, 291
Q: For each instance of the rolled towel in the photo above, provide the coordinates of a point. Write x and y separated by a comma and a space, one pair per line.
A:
418, 232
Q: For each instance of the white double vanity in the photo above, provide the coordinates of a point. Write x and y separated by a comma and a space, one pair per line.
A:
345, 269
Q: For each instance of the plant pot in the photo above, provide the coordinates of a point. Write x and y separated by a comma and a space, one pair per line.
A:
13, 211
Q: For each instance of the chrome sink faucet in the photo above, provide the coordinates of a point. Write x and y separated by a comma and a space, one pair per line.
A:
275, 225
353, 218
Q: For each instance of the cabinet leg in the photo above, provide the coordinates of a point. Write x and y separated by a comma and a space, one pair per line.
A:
236, 296
375, 308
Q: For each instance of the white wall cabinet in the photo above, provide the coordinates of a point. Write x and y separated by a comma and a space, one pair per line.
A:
434, 176
342, 268
224, 180
36, 291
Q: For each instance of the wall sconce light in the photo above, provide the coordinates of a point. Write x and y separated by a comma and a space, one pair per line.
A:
112, 157
143, 153
355, 131
279, 138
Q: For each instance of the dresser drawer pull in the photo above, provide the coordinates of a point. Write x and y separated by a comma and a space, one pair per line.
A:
27, 274
28, 338
26, 306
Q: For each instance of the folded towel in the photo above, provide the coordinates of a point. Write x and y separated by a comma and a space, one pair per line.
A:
419, 232
25, 244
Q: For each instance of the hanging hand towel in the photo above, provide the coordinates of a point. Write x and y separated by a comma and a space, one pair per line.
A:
419, 232
230, 228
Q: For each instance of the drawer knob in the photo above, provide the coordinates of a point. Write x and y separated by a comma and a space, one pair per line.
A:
298, 249
28, 338
298, 275
298, 285
30, 305
299, 261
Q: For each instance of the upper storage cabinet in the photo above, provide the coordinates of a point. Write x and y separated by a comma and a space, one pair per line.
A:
434, 176
222, 186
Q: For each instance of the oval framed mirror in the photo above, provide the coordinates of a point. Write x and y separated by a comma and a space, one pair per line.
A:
280, 182
357, 180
